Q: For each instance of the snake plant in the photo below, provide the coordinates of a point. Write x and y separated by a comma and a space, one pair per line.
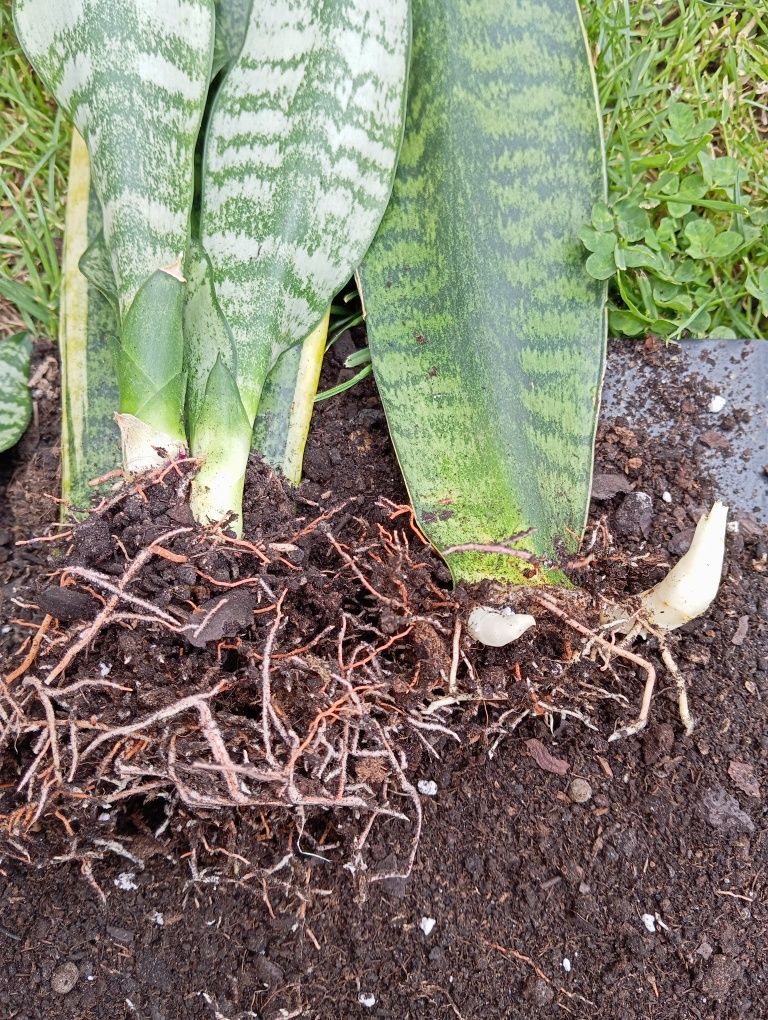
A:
299, 152
241, 159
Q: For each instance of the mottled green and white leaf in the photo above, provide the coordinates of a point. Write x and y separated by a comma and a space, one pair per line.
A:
207, 336
15, 398
300, 156
232, 18
134, 77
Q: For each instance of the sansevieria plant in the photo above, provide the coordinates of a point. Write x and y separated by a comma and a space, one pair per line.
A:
242, 157
298, 158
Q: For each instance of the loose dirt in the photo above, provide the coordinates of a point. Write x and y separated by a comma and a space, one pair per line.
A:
556, 873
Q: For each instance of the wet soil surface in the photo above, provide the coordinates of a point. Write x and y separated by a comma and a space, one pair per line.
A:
556, 872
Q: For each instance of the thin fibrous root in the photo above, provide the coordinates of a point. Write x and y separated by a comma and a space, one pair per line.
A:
89, 633
682, 693
650, 673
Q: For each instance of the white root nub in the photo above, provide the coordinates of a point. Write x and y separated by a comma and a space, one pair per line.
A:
690, 587
496, 627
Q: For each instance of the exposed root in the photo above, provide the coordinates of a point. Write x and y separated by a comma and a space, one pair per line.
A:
241, 739
613, 649
350, 667
682, 692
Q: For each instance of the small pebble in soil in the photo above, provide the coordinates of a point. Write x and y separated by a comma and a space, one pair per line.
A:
427, 924
580, 791
367, 999
428, 787
64, 978
634, 515
538, 991
716, 404
650, 922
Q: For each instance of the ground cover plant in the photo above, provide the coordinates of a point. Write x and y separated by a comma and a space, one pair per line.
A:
683, 236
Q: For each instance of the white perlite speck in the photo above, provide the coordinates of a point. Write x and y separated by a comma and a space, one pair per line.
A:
428, 787
650, 922
366, 999
158, 918
716, 404
566, 965
125, 881
666, 496
427, 924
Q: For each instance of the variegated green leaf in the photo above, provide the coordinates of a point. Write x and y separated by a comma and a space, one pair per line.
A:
486, 333
232, 18
133, 76
285, 409
300, 155
15, 399
88, 330
207, 336
299, 161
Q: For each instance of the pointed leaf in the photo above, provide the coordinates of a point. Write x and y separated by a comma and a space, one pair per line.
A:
96, 267
90, 445
206, 334
300, 155
486, 332
231, 24
218, 488
285, 409
150, 374
133, 77
15, 399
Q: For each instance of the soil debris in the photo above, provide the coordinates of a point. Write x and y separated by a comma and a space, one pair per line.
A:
259, 915
544, 759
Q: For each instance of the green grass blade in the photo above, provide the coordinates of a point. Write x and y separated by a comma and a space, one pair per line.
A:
33, 158
15, 398
487, 335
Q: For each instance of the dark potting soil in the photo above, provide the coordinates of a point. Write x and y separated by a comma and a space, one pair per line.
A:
556, 873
